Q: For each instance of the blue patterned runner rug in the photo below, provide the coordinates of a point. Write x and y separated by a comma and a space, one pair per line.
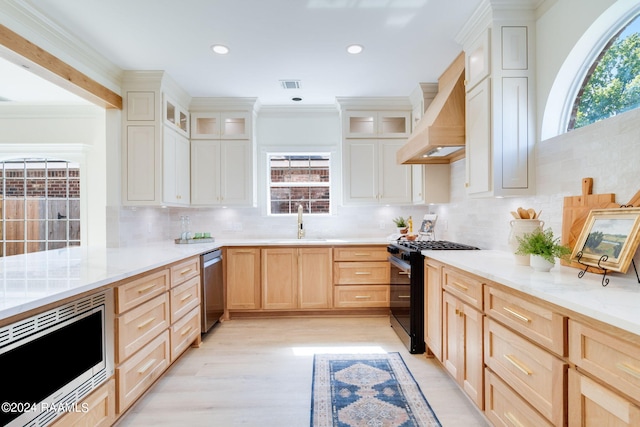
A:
363, 390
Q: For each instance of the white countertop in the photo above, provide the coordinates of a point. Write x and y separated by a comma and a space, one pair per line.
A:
33, 280
617, 304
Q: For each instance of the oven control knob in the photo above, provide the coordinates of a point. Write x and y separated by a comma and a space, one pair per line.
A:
392, 249
405, 256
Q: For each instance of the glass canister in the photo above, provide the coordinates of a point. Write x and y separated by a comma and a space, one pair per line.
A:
185, 226
520, 227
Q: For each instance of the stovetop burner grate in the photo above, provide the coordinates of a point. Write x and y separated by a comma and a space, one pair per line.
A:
435, 245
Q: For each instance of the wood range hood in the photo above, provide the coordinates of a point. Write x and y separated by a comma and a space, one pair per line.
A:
439, 136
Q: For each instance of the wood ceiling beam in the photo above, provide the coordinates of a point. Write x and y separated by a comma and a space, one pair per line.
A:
56, 71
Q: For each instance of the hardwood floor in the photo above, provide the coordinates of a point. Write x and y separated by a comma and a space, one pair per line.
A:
257, 372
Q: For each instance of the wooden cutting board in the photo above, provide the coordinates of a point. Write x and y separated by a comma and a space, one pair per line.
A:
575, 212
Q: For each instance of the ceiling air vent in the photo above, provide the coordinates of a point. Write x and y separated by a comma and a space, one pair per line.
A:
290, 84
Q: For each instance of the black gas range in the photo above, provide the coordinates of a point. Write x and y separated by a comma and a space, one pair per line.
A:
407, 287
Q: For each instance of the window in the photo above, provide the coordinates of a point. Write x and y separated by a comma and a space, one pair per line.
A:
612, 84
299, 179
40, 205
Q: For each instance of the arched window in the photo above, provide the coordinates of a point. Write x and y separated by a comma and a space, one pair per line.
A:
40, 205
612, 84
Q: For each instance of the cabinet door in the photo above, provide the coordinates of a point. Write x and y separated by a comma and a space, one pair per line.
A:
433, 307
477, 57
279, 278
393, 124
176, 168
360, 172
205, 172
314, 278
236, 173
478, 139
205, 125
451, 334
515, 134
394, 180
235, 125
243, 278
141, 163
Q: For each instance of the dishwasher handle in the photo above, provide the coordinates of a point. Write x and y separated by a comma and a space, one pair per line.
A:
211, 258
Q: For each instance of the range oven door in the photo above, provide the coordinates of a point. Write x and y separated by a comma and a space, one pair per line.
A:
400, 295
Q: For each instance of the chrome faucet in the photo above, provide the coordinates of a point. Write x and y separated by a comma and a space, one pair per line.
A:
300, 226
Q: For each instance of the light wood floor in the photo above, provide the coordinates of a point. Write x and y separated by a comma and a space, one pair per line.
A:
257, 372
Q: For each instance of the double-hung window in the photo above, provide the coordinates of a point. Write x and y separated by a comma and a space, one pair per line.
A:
299, 179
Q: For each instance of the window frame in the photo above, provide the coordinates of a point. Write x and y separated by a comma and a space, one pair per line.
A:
291, 153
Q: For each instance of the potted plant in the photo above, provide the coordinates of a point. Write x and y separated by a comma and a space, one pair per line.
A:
543, 248
401, 225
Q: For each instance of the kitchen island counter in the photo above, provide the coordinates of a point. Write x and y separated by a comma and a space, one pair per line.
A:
617, 304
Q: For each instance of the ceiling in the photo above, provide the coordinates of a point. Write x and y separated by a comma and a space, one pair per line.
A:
405, 42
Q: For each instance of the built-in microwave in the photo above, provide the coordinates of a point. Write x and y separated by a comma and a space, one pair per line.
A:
56, 359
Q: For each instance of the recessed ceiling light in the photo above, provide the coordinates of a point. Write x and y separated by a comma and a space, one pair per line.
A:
355, 49
220, 49
296, 98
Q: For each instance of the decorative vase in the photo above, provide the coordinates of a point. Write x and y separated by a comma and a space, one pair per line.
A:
540, 264
520, 227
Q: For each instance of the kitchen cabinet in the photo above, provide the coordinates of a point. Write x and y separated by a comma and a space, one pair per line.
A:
433, 307
184, 306
606, 388
371, 174
155, 144
380, 124
296, 278
98, 409
221, 125
243, 278
221, 173
500, 108
361, 277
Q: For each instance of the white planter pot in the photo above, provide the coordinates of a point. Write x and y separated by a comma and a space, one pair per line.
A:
540, 264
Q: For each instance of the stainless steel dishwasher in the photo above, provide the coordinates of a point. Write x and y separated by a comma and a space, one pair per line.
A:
212, 281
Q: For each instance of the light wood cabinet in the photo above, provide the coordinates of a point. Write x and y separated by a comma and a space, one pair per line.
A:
137, 291
462, 344
465, 287
296, 278
184, 332
243, 278
371, 174
433, 307
593, 405
360, 253
360, 296
98, 409
183, 298
358, 272
381, 124
361, 276
221, 173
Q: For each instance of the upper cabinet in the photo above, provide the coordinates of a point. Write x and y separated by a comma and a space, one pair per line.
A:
377, 124
500, 110
175, 116
221, 125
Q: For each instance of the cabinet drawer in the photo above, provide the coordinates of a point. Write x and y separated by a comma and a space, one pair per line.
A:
137, 374
353, 273
504, 407
96, 410
184, 332
538, 376
613, 360
364, 253
593, 405
537, 323
137, 327
467, 288
361, 296
134, 293
184, 297
185, 271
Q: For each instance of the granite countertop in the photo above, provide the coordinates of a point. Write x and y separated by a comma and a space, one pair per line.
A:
617, 304
33, 280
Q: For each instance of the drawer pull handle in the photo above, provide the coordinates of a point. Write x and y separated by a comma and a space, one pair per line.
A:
631, 370
146, 367
519, 365
403, 273
146, 288
460, 285
146, 322
360, 254
186, 297
360, 273
404, 296
517, 315
186, 331
363, 296
244, 252
513, 419
185, 271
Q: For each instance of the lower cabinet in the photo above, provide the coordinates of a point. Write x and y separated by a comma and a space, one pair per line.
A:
98, 409
462, 346
433, 307
243, 278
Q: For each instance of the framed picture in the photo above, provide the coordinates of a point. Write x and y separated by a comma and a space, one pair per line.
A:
428, 224
609, 238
